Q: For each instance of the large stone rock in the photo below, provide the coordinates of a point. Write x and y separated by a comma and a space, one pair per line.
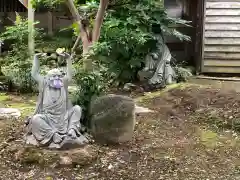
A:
9, 113
112, 118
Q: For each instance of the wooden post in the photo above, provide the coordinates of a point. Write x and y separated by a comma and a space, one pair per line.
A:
30, 29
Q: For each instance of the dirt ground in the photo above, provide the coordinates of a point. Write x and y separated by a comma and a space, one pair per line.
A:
193, 134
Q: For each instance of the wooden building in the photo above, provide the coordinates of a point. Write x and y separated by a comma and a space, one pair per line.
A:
220, 36
48, 20
187, 10
215, 33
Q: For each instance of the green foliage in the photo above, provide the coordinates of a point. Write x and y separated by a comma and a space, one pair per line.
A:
16, 63
17, 68
59, 39
126, 38
182, 73
19, 31
50, 4
91, 84
128, 35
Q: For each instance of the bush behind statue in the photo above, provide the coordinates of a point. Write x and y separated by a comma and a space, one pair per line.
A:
90, 84
17, 64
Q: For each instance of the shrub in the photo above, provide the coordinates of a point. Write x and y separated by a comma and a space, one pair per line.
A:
91, 84
182, 73
17, 65
127, 36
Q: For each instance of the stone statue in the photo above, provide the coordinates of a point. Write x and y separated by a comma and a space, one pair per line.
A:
158, 71
55, 123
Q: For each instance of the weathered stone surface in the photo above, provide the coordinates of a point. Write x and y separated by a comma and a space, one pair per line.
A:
54, 158
113, 118
144, 75
65, 161
53, 125
9, 113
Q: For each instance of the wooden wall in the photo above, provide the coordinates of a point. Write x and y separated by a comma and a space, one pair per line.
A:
221, 37
182, 50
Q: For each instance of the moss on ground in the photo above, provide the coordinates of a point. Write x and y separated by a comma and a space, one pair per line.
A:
3, 97
25, 104
208, 138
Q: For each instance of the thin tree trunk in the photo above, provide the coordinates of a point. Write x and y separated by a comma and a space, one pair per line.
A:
88, 39
99, 20
83, 33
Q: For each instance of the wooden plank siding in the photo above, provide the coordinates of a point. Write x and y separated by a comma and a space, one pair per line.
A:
221, 37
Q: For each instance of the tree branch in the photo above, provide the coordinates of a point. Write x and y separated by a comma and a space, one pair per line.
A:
83, 33
99, 20
76, 43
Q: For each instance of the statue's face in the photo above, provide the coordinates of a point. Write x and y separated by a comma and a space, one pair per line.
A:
55, 78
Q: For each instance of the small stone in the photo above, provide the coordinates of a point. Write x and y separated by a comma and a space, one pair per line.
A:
9, 113
129, 87
110, 166
65, 160
139, 110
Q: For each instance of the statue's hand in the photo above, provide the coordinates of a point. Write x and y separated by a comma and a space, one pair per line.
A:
146, 69
27, 121
57, 138
65, 55
154, 56
72, 133
73, 55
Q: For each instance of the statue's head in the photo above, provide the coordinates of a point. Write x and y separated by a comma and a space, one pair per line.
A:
55, 78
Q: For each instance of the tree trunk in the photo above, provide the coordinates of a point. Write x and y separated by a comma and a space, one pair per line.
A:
86, 38
99, 20
83, 33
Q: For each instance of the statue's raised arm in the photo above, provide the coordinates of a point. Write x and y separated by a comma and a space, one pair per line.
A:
68, 58
36, 68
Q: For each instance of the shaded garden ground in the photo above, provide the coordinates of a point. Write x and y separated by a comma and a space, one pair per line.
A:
192, 135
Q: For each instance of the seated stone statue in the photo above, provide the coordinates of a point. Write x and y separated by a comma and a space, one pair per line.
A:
55, 123
158, 71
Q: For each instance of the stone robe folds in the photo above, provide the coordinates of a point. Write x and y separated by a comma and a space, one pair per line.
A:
53, 114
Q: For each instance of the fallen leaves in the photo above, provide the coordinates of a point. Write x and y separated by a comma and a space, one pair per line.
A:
176, 142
